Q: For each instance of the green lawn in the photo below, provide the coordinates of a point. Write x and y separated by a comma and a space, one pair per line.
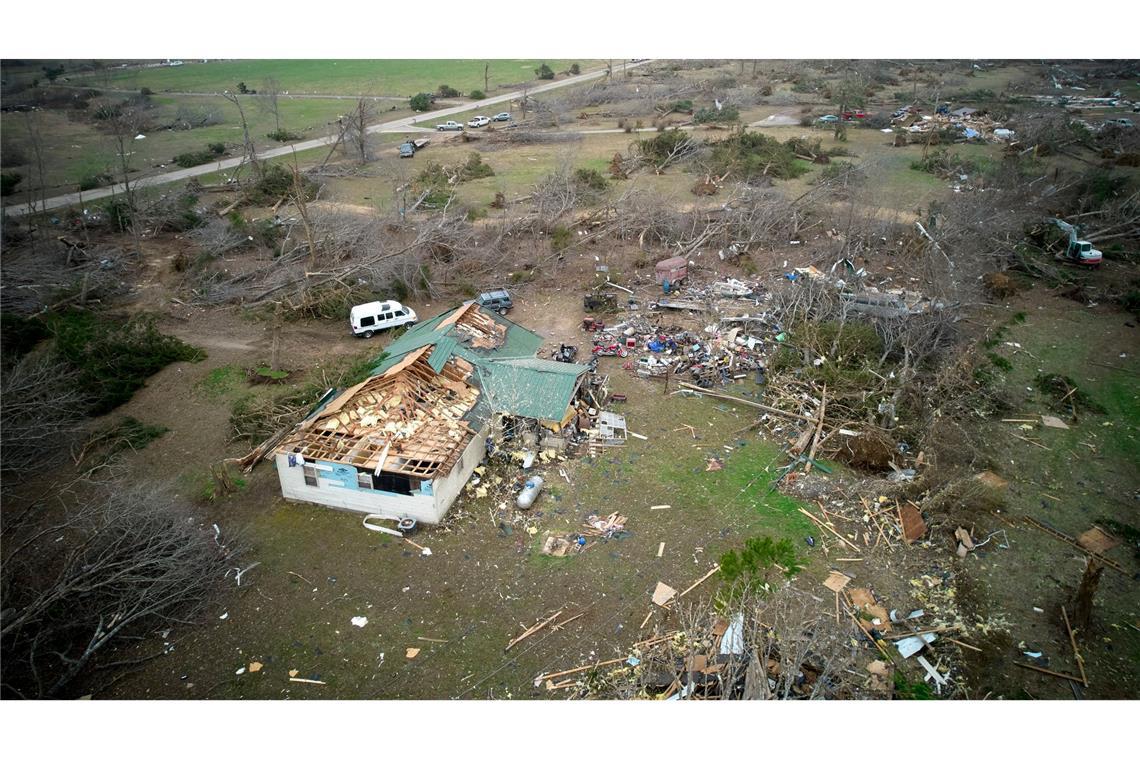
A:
74, 149
343, 77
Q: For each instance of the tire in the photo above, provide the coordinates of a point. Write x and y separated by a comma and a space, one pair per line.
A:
502, 312
367, 334
623, 353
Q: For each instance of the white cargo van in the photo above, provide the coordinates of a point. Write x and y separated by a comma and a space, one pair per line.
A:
370, 318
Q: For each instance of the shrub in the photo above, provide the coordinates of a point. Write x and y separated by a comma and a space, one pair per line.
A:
560, 237
727, 113
119, 213
8, 182
283, 135
680, 106
590, 179
476, 94
195, 158
750, 155
216, 148
748, 569
420, 102
92, 181
446, 91
662, 146
575, 69
544, 72
276, 181
474, 168
115, 357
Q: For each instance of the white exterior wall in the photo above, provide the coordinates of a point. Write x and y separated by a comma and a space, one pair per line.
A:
448, 487
422, 507
425, 508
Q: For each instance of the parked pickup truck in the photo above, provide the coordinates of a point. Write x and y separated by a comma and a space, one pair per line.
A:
449, 126
408, 149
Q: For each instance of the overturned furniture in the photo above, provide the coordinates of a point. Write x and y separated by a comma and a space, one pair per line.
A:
609, 430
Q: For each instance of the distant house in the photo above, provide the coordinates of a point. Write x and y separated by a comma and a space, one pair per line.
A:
405, 441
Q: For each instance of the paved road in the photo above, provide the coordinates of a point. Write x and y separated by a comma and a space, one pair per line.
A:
399, 125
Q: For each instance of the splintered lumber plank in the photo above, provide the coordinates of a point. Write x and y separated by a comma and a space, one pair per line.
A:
532, 630
827, 527
571, 671
700, 580
1076, 652
818, 432
1053, 673
746, 402
878, 644
562, 623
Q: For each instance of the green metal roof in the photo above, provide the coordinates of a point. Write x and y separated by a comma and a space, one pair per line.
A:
513, 379
443, 350
534, 388
519, 342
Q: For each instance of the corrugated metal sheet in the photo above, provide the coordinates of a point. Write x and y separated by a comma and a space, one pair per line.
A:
513, 387
519, 342
442, 351
514, 380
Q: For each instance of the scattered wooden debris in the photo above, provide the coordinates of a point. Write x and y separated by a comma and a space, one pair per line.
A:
411, 653
827, 527
1097, 540
836, 581
913, 526
700, 580
1074, 543
532, 630
1076, 652
1053, 673
663, 593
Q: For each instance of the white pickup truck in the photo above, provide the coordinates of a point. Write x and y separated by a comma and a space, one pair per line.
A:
449, 126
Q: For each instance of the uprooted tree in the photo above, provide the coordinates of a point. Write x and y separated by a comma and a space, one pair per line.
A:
114, 565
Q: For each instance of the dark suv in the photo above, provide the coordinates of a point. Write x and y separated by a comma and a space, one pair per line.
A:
496, 300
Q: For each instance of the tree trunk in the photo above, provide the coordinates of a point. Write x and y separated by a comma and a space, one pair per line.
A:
1082, 616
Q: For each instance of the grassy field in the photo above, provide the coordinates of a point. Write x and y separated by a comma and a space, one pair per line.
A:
485, 575
74, 149
398, 78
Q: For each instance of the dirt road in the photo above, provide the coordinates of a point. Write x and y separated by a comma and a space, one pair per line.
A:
397, 125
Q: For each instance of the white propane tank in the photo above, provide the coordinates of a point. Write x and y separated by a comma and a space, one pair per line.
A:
530, 492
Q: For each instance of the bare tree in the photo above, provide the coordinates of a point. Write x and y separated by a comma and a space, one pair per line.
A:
355, 130
250, 151
126, 124
124, 562
267, 100
35, 140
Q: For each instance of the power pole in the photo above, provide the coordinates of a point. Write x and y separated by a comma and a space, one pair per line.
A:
486, 78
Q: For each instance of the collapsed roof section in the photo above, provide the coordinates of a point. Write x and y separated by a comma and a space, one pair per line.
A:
467, 331
438, 384
408, 420
536, 388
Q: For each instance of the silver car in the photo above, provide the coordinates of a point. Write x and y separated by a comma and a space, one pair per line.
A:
504, 116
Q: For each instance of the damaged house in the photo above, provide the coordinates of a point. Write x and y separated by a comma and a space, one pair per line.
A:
404, 442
